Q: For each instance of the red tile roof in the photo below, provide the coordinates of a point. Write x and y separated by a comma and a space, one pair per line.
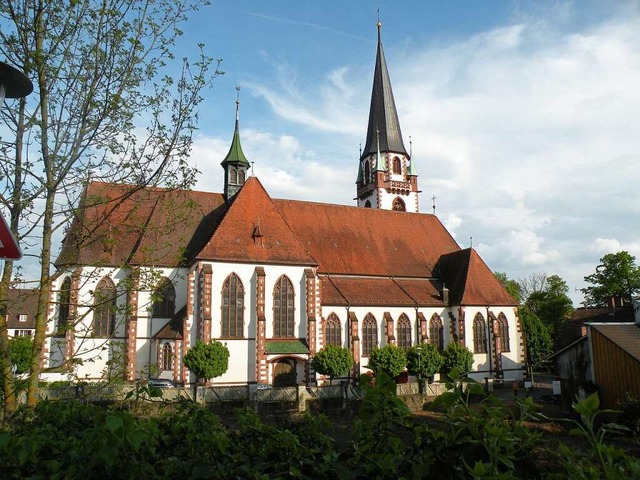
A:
254, 230
125, 224
354, 291
364, 241
21, 301
470, 281
412, 252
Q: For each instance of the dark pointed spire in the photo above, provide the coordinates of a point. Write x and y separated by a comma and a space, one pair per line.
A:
383, 117
236, 155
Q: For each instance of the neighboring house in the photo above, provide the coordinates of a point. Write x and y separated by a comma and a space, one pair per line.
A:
576, 327
22, 304
607, 358
145, 273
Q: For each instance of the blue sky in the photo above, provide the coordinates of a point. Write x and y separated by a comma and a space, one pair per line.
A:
523, 115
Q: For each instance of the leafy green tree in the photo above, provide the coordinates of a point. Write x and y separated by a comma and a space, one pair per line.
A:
457, 356
551, 303
20, 353
424, 360
109, 104
511, 286
539, 342
332, 360
389, 359
616, 276
207, 360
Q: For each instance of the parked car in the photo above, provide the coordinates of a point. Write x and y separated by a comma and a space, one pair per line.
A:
160, 383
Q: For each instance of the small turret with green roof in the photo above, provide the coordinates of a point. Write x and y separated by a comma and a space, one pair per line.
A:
235, 164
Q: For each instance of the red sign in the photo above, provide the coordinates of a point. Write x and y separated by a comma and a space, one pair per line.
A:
9, 249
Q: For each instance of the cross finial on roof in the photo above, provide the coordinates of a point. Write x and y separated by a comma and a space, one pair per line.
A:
237, 101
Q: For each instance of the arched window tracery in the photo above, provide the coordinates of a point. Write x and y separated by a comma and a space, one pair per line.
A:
369, 334
104, 308
232, 318
283, 308
404, 331
479, 334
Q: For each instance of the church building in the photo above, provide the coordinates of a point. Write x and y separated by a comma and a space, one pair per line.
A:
147, 272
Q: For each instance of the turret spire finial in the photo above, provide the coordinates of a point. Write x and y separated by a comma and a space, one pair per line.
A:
379, 24
237, 101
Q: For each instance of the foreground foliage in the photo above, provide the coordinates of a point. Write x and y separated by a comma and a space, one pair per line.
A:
480, 440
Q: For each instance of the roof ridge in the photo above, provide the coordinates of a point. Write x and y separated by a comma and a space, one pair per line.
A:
229, 213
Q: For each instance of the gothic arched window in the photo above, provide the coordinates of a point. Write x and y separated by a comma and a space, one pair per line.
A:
241, 177
503, 331
283, 301
104, 308
398, 205
164, 299
333, 331
64, 304
369, 334
367, 204
436, 332
233, 174
232, 322
404, 331
479, 334
167, 357
397, 166
367, 172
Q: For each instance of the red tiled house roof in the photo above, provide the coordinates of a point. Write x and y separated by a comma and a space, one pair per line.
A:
21, 301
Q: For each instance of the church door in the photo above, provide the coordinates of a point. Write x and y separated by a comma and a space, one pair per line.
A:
284, 373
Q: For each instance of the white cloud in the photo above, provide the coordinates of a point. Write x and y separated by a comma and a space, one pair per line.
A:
527, 134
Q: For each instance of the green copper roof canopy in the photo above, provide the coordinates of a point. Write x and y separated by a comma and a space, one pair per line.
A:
236, 155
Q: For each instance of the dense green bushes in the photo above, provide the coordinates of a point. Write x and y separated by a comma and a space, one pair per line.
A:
488, 440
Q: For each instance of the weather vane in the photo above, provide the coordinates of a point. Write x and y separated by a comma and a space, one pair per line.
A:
237, 100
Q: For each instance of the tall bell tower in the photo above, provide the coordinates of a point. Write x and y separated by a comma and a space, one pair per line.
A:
387, 178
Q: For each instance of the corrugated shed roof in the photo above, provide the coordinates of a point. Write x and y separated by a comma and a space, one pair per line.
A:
626, 336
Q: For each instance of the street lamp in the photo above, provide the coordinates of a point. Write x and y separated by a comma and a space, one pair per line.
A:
13, 83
